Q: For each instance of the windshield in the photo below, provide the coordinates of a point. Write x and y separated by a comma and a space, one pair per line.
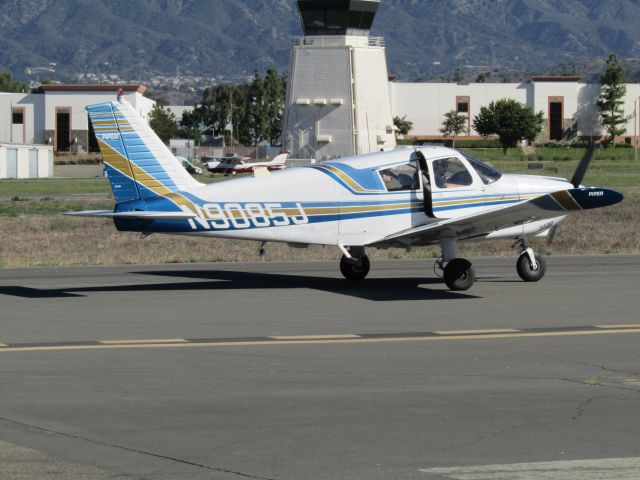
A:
487, 173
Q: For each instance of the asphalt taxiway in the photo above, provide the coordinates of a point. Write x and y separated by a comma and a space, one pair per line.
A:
286, 371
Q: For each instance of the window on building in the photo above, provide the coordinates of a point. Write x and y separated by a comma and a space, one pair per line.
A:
63, 130
463, 107
17, 117
556, 130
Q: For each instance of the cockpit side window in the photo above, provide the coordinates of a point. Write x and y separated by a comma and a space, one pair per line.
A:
487, 173
451, 173
401, 177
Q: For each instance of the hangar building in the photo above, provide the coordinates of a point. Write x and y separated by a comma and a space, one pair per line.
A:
57, 117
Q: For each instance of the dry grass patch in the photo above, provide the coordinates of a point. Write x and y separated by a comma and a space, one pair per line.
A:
30, 240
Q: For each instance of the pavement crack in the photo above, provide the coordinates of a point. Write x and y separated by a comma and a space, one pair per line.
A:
601, 384
581, 407
136, 450
612, 370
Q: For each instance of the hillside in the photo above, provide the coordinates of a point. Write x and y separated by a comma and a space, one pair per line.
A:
228, 39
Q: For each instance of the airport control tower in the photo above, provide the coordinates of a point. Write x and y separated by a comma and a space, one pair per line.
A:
337, 101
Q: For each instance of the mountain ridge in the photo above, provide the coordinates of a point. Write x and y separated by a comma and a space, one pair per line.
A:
229, 39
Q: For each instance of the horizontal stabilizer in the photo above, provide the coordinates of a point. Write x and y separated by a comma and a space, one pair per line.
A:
135, 214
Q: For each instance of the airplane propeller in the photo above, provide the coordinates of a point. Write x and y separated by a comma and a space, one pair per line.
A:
578, 176
576, 180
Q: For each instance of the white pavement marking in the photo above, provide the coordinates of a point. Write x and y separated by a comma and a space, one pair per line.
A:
596, 469
313, 337
134, 342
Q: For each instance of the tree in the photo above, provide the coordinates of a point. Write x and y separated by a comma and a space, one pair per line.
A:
403, 126
510, 120
251, 112
191, 124
255, 123
216, 107
611, 97
453, 125
274, 88
163, 122
7, 84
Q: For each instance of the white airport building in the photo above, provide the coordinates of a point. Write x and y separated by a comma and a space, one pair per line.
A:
337, 101
57, 117
340, 100
34, 125
568, 106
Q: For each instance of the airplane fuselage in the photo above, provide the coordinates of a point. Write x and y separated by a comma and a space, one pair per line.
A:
337, 203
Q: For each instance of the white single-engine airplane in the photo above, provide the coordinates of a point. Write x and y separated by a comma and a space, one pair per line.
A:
233, 165
401, 198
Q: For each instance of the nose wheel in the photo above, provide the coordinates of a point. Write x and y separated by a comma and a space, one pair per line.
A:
527, 270
530, 267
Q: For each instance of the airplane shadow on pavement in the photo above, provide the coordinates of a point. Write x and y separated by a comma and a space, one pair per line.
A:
373, 289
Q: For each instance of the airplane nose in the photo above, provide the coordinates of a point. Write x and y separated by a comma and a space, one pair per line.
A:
589, 198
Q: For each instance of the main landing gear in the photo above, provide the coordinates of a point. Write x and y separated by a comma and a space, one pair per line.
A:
458, 273
354, 264
530, 267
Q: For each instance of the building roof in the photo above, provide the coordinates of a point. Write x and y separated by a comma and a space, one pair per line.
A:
94, 87
556, 78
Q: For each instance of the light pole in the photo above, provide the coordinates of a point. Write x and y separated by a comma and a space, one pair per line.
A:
636, 110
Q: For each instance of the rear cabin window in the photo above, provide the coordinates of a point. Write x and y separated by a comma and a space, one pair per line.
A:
401, 177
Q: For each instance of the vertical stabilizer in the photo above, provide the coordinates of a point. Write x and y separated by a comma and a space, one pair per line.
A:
138, 164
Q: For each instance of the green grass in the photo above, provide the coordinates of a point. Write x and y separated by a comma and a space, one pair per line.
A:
49, 207
72, 186
560, 154
53, 186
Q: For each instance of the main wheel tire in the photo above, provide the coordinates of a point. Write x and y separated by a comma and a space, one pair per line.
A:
355, 270
459, 274
527, 272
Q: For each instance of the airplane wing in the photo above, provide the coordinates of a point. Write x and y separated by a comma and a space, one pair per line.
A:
540, 208
134, 215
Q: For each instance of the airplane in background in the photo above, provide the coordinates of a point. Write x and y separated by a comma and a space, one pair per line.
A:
233, 165
401, 198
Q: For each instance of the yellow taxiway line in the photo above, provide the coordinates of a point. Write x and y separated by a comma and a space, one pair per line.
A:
440, 336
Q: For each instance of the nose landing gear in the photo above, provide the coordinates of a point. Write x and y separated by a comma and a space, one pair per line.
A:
530, 267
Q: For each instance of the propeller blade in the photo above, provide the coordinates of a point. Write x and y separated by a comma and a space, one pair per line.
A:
578, 176
552, 234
